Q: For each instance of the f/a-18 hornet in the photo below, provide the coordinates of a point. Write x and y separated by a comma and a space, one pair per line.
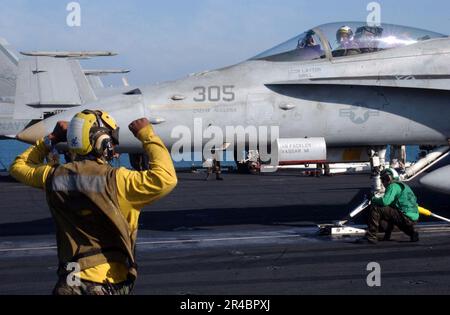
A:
338, 92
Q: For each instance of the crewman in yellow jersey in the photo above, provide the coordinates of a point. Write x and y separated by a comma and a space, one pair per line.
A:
96, 207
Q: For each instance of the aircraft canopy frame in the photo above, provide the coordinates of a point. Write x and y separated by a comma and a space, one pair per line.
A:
325, 42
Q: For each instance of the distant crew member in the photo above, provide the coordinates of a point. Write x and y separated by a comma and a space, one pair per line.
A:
398, 208
214, 166
347, 44
96, 207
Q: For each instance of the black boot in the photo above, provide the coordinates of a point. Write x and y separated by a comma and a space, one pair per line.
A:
415, 237
388, 233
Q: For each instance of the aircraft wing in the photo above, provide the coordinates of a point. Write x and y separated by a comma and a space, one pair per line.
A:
94, 77
433, 82
48, 84
69, 54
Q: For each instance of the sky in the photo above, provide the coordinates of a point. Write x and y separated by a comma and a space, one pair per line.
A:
165, 40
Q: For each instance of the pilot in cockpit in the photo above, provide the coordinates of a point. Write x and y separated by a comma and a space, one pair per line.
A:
308, 45
347, 44
307, 41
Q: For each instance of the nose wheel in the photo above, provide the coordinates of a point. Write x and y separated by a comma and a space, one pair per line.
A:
378, 164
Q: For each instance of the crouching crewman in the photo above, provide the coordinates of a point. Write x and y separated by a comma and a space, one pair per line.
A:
96, 207
398, 208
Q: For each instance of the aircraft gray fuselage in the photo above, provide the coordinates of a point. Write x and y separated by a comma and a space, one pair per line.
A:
398, 96
438, 180
10, 127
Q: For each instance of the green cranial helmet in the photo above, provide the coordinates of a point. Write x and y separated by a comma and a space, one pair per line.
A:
392, 173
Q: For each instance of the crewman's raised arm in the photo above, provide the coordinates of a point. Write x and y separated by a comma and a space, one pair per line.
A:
29, 168
143, 188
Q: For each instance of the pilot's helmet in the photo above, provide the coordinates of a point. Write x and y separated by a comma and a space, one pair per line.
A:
93, 133
344, 34
308, 40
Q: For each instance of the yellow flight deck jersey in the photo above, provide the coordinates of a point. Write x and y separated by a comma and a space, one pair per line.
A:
135, 190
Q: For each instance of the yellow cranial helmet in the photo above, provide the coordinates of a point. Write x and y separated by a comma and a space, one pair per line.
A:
93, 132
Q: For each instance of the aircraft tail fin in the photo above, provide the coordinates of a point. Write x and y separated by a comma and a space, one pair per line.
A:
47, 85
8, 71
52, 82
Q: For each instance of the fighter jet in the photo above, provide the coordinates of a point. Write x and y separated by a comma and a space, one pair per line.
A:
338, 92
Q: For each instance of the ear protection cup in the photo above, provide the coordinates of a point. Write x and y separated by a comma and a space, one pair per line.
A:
386, 177
103, 143
104, 147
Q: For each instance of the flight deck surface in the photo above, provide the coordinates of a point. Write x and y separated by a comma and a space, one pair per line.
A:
246, 235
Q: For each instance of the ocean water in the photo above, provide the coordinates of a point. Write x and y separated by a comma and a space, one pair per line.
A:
9, 149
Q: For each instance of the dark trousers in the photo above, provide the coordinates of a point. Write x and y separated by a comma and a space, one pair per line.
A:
216, 168
392, 217
91, 288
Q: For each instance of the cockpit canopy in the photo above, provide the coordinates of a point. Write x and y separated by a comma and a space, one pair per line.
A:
345, 39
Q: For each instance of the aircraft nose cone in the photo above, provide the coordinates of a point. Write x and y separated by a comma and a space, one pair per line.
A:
32, 134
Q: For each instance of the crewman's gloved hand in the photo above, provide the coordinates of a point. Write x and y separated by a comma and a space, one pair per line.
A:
377, 195
59, 134
138, 125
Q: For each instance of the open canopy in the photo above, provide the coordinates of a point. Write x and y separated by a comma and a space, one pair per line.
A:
345, 39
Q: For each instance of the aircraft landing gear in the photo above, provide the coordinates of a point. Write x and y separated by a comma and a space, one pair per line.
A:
378, 164
251, 164
398, 157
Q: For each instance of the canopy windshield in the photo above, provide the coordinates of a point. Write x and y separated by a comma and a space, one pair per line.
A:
345, 39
